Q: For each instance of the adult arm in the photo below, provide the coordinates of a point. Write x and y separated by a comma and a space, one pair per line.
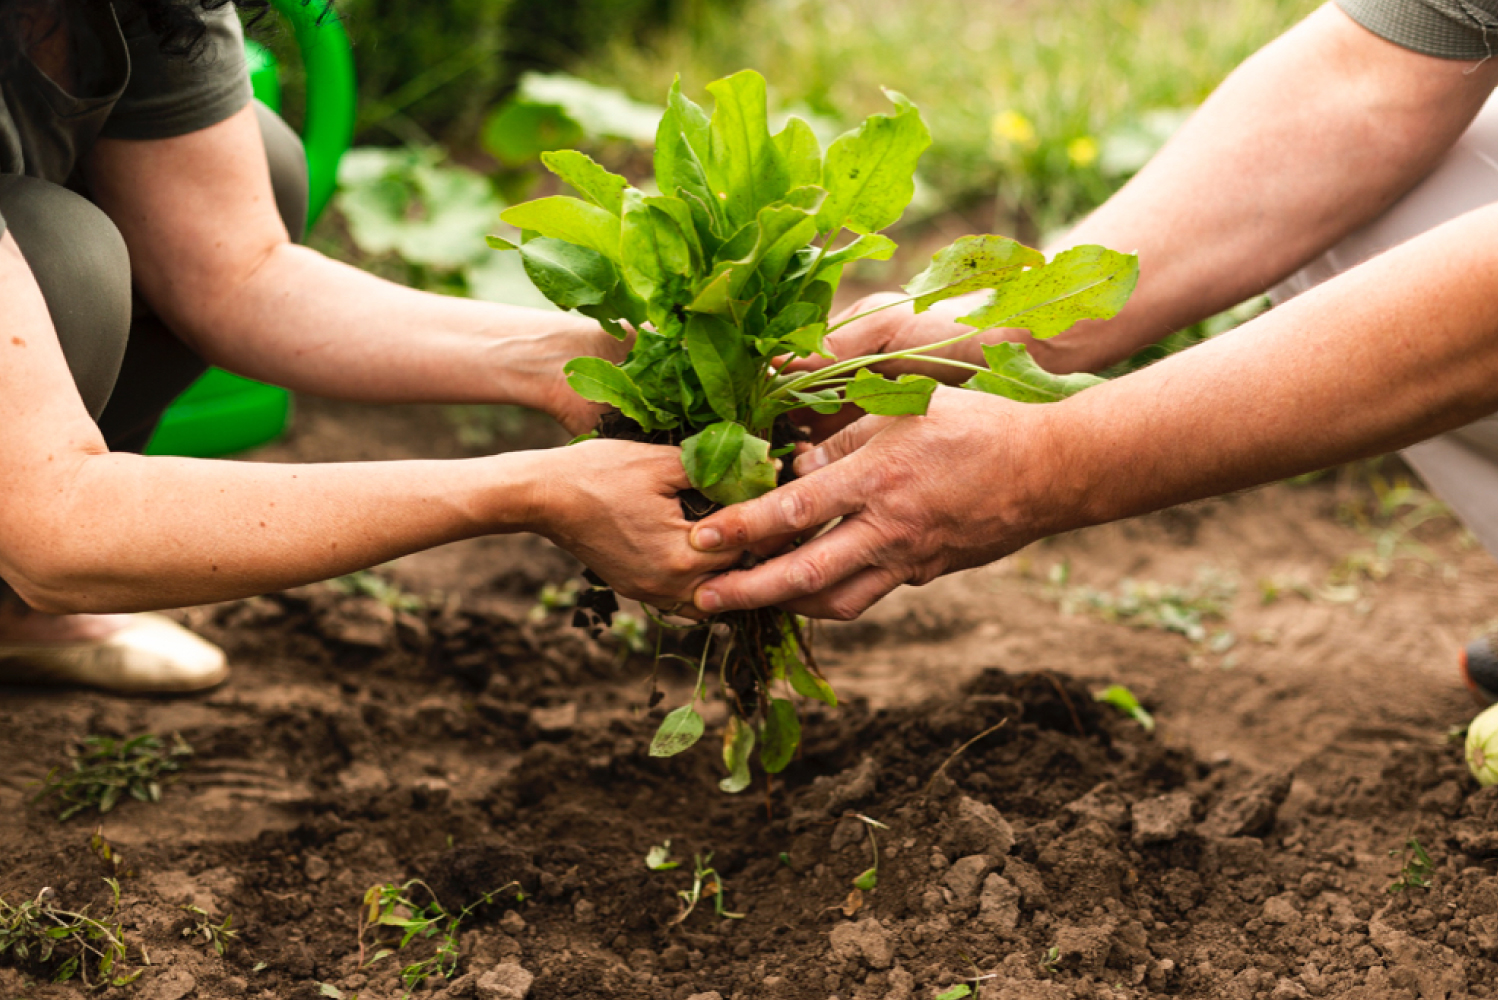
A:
1310, 138
212, 257
82, 529
1396, 350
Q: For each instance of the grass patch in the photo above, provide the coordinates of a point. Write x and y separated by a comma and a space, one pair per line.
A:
101, 770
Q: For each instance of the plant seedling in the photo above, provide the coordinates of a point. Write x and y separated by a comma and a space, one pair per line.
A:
102, 769
1123, 699
1050, 959
727, 277
658, 858
705, 882
367, 583
82, 946
1416, 870
217, 936
390, 905
955, 993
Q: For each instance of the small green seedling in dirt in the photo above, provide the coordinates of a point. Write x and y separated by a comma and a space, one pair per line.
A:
705, 882
868, 879
334, 993
658, 858
390, 905
1123, 699
102, 769
1416, 870
367, 583
74, 943
1049, 960
554, 597
108, 853
202, 927
955, 993
727, 277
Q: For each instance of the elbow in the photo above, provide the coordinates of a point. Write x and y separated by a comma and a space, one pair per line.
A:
53, 593
56, 580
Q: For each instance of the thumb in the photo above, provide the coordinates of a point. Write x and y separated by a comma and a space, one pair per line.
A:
840, 445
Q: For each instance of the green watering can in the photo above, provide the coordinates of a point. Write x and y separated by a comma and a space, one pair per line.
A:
220, 413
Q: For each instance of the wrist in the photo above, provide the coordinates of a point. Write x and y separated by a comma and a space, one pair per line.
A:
519, 492
525, 369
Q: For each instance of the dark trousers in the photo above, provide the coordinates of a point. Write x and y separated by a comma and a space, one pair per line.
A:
127, 364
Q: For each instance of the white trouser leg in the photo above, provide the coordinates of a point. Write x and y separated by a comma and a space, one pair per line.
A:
1461, 467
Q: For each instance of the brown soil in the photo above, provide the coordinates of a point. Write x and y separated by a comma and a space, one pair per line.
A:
1241, 851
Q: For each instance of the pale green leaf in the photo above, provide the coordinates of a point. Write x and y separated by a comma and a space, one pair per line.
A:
658, 858
803, 681
1085, 282
709, 454
971, 264
780, 736
867, 881
567, 274
738, 743
593, 182
807, 341
678, 731
600, 111
744, 166
570, 219
869, 173
653, 246
800, 152
1123, 699
1014, 375
604, 382
905, 396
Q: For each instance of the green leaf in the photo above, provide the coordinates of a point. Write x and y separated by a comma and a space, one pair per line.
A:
1014, 375
653, 246
569, 219
781, 735
800, 152
907, 395
405, 202
753, 475
869, 246
868, 880
329, 990
604, 382
971, 264
803, 681
721, 358
678, 731
567, 274
957, 992
708, 455
681, 147
743, 164
593, 182
1086, 282
681, 214
869, 173
825, 401
1123, 699
738, 743
807, 341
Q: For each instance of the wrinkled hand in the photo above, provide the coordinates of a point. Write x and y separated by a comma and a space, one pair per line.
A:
613, 505
918, 496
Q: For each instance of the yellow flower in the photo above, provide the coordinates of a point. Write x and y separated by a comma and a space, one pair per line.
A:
1014, 128
1082, 151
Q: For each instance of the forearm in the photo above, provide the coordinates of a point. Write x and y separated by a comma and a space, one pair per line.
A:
1309, 139
115, 532
316, 325
1392, 352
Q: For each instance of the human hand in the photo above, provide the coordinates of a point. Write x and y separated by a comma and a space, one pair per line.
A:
918, 496
547, 355
613, 505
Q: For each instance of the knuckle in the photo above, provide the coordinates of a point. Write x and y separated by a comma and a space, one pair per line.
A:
808, 574
796, 509
844, 609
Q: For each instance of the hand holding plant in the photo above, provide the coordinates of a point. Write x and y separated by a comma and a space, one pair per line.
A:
728, 275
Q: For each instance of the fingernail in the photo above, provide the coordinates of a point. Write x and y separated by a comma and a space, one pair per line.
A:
707, 539
810, 462
708, 600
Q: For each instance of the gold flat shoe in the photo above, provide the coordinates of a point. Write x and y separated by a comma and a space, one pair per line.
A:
150, 655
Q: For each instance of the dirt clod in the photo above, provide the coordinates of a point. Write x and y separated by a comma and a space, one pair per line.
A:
506, 981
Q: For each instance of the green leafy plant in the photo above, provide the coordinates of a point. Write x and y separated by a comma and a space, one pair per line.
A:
706, 882
202, 928
1416, 870
367, 583
74, 943
1050, 959
391, 905
727, 277
102, 769
658, 858
1124, 700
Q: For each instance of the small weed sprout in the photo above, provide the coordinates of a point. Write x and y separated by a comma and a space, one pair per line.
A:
390, 905
1049, 960
705, 882
658, 858
367, 583
102, 769
1148, 604
202, 928
108, 853
1124, 700
1416, 870
90, 949
955, 993
554, 597
868, 879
